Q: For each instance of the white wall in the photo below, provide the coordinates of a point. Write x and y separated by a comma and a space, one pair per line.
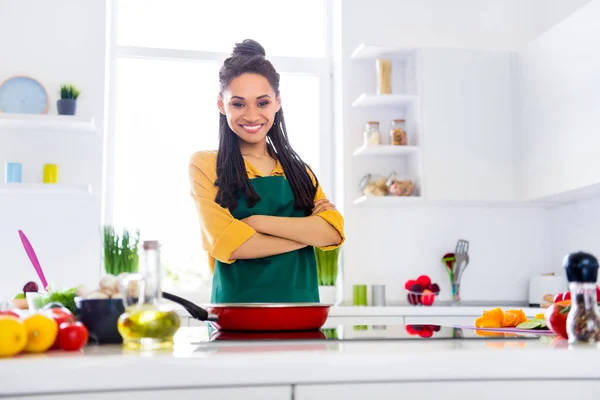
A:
56, 42
392, 245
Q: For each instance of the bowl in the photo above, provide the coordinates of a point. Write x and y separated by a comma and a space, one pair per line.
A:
420, 299
100, 317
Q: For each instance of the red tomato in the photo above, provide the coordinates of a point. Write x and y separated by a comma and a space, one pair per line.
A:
72, 336
566, 296
558, 297
427, 298
557, 320
424, 280
11, 313
61, 315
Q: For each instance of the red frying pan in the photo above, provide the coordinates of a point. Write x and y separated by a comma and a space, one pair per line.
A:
258, 316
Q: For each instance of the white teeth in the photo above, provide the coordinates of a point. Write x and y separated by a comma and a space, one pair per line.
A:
252, 127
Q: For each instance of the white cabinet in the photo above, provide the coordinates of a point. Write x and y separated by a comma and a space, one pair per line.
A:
469, 135
241, 393
455, 390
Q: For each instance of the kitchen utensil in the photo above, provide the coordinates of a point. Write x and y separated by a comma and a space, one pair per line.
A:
462, 259
257, 316
448, 259
33, 258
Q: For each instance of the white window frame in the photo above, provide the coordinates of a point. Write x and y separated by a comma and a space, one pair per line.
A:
321, 67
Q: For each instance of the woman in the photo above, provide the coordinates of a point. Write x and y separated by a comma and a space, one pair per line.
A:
262, 210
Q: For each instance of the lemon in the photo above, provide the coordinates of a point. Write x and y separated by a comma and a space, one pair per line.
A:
13, 336
41, 332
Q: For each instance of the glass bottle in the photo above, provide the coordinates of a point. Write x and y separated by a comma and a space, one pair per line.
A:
398, 133
384, 76
583, 320
146, 323
372, 136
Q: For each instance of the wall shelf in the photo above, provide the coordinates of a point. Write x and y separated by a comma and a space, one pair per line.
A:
44, 189
46, 123
385, 150
385, 100
368, 51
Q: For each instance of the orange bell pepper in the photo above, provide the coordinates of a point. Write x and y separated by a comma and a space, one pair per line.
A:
512, 318
487, 322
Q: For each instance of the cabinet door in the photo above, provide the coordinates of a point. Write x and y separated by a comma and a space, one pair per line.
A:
469, 137
241, 393
489, 390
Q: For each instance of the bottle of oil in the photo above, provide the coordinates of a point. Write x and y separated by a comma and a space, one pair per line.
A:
146, 323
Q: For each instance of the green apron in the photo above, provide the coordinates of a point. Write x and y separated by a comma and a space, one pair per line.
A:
284, 278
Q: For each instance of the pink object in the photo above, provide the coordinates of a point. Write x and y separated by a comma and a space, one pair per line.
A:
33, 258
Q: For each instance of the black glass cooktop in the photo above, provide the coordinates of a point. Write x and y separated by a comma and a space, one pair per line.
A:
367, 333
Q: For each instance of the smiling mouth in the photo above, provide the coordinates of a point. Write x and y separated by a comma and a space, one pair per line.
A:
252, 128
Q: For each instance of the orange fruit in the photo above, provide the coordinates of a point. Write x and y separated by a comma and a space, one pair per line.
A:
41, 332
13, 336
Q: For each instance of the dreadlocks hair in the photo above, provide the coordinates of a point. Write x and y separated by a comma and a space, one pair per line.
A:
232, 178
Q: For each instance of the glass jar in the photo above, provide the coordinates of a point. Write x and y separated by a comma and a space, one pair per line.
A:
398, 187
384, 76
398, 133
372, 136
373, 185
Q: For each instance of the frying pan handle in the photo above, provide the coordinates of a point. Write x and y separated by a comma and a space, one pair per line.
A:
195, 311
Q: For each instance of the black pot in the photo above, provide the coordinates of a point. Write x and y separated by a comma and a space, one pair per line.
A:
66, 106
100, 317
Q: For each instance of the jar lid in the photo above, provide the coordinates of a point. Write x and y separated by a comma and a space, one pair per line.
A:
398, 120
581, 267
391, 178
373, 122
151, 245
364, 181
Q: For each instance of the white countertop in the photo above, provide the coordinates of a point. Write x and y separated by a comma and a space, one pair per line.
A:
225, 364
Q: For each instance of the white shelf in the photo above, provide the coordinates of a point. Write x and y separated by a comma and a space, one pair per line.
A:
385, 150
384, 100
46, 189
417, 201
368, 51
46, 123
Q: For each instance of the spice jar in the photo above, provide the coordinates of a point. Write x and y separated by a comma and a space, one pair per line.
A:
372, 135
583, 321
398, 132
384, 76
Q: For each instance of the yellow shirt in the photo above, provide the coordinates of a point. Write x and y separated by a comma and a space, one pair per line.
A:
222, 234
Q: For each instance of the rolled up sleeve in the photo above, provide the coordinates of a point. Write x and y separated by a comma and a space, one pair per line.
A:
333, 217
222, 234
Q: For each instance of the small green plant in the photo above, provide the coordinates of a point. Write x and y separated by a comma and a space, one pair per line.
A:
69, 92
327, 266
120, 251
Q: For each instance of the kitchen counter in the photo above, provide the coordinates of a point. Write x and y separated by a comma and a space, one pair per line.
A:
544, 367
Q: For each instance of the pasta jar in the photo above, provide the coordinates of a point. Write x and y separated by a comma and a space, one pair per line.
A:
398, 133
384, 76
372, 135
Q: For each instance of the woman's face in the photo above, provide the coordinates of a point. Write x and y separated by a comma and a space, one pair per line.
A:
249, 104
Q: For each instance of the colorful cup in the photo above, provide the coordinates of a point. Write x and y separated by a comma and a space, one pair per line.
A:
360, 295
50, 173
13, 173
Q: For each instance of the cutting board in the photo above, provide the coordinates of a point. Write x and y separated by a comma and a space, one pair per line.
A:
508, 330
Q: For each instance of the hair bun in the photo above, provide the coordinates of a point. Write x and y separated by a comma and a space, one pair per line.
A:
248, 48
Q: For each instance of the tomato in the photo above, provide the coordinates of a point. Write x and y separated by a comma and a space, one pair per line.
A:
566, 296
10, 313
61, 315
558, 297
557, 320
72, 336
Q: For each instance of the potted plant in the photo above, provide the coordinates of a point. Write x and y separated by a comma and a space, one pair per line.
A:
67, 105
120, 251
327, 272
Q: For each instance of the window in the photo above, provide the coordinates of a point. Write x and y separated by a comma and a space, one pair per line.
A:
165, 87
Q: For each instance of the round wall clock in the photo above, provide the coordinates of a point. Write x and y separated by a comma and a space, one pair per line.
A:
23, 95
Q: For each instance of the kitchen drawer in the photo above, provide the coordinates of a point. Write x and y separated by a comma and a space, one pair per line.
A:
236, 393
455, 390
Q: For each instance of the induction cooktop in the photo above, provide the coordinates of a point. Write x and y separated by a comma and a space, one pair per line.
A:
365, 333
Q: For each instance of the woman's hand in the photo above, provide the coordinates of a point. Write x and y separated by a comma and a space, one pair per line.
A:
322, 205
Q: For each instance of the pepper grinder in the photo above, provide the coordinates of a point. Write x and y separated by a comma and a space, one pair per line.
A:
583, 321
